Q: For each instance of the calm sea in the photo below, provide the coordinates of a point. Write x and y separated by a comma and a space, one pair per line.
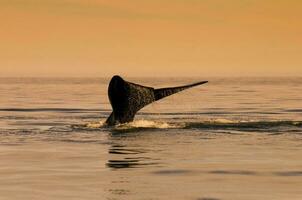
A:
233, 138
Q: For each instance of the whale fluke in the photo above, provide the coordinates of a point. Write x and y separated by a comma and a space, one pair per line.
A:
128, 98
164, 92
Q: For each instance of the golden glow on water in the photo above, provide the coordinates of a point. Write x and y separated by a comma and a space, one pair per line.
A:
153, 165
232, 139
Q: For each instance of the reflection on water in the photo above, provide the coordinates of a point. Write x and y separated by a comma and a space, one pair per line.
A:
125, 155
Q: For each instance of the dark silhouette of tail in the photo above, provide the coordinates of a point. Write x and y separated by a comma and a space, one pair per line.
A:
128, 98
164, 92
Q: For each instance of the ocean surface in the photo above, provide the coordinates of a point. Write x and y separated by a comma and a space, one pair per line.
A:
233, 138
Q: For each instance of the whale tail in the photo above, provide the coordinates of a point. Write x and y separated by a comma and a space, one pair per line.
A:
164, 92
128, 98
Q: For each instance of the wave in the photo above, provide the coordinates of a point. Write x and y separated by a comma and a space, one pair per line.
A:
215, 124
251, 126
210, 125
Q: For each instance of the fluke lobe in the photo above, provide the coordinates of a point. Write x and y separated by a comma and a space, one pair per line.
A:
128, 98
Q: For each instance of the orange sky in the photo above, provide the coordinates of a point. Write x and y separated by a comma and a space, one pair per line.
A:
150, 37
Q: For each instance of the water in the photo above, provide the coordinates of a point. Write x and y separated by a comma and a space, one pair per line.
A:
233, 138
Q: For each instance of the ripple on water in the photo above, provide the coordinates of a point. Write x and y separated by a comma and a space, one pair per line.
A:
129, 157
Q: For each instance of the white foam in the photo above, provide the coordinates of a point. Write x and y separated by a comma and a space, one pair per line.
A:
134, 124
146, 124
99, 124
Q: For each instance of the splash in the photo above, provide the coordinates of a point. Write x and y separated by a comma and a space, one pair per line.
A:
94, 125
147, 124
135, 124
209, 124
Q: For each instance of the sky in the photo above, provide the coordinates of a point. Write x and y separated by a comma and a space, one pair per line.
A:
96, 38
